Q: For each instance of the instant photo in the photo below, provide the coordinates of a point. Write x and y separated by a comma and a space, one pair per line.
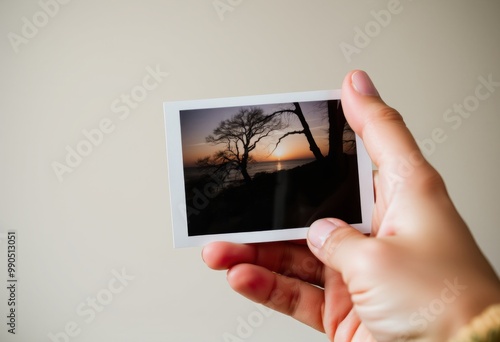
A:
263, 168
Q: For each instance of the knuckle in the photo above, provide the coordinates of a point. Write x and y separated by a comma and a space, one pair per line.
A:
383, 114
367, 256
429, 182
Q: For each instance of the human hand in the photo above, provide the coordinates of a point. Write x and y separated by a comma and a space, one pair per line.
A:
420, 275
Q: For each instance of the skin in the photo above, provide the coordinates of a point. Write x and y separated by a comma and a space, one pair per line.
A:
419, 276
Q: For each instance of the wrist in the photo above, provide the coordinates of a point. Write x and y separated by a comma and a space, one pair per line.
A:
484, 327
476, 312
470, 302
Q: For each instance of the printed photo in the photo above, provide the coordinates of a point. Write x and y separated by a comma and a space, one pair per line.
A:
267, 167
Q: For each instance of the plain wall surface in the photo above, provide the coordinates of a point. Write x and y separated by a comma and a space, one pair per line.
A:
110, 214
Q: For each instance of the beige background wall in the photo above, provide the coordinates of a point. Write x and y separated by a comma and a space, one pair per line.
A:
110, 214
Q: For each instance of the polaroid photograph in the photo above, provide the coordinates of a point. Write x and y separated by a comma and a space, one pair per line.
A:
263, 168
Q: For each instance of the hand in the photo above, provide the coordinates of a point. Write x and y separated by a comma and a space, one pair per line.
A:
419, 275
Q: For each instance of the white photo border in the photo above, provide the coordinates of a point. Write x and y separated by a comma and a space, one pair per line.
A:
176, 171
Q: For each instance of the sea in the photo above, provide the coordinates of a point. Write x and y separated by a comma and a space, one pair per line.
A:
253, 168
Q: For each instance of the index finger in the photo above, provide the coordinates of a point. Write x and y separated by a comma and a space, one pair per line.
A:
288, 259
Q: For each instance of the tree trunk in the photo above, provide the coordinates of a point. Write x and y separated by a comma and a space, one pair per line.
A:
246, 176
307, 132
243, 169
337, 122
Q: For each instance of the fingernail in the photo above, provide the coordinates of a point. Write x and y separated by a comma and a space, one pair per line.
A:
320, 231
363, 84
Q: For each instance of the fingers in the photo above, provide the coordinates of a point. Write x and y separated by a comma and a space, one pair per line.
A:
290, 296
381, 127
280, 276
289, 259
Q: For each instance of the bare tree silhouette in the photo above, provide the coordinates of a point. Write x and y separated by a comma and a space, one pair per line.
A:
297, 111
239, 135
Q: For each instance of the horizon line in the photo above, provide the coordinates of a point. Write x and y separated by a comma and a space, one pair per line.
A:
264, 161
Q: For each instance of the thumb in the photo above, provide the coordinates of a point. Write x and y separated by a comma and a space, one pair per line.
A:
384, 133
335, 243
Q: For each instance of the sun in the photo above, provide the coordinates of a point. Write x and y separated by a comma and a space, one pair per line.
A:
279, 152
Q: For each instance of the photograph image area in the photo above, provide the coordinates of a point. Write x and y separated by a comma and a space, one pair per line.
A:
268, 167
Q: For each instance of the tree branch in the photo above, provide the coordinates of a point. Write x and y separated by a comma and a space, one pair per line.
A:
284, 136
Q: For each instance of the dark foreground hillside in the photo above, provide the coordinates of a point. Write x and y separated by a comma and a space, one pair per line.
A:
285, 199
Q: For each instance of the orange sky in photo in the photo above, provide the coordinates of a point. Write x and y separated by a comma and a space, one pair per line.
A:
196, 125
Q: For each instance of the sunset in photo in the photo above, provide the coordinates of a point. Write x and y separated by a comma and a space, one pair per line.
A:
196, 125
